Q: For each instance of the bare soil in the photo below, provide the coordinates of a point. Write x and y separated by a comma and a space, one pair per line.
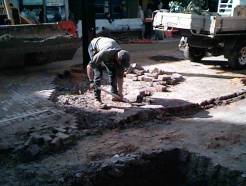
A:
51, 129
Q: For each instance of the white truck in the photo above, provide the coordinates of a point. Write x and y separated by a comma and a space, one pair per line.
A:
221, 33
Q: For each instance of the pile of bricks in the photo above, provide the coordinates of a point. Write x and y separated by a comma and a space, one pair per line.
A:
156, 81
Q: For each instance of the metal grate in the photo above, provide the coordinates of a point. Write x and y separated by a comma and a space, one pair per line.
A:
225, 7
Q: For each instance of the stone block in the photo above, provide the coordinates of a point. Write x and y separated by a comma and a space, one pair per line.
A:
4, 147
146, 92
28, 142
164, 77
75, 127
46, 138
62, 136
156, 83
32, 151
141, 78
160, 88
138, 72
59, 129
36, 138
56, 143
131, 76
157, 71
148, 78
137, 66
177, 77
154, 76
135, 96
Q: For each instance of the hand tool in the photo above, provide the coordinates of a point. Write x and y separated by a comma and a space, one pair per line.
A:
116, 96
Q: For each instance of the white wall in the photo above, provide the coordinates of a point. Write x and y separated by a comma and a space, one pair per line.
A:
116, 25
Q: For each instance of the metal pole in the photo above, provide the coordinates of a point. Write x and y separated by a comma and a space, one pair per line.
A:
8, 11
88, 27
44, 11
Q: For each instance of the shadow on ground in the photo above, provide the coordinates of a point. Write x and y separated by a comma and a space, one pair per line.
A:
221, 65
72, 95
165, 59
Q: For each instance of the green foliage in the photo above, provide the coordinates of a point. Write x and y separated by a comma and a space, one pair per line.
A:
187, 6
175, 6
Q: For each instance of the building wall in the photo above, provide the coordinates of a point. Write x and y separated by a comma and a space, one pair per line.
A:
113, 6
132, 8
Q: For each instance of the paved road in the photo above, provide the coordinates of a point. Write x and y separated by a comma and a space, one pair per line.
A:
25, 92
234, 113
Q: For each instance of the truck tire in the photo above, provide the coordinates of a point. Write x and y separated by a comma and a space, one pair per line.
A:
193, 54
238, 59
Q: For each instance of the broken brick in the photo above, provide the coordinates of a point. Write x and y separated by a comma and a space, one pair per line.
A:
149, 91
56, 143
137, 66
164, 77
157, 71
148, 79
141, 78
160, 88
146, 92
62, 136
177, 77
131, 76
155, 76
135, 96
138, 72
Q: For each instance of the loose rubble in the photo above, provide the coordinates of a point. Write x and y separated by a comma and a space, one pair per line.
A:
152, 81
39, 141
139, 84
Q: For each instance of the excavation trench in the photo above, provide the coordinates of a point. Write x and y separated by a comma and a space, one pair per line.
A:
160, 168
157, 168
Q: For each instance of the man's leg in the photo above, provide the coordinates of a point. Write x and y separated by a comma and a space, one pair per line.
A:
112, 78
97, 83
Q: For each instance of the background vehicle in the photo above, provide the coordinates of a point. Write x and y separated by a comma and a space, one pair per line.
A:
221, 33
24, 42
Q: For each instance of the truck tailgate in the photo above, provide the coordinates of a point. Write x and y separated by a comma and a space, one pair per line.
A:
163, 20
198, 23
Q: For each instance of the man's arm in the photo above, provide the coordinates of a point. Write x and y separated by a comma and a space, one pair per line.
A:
96, 60
90, 72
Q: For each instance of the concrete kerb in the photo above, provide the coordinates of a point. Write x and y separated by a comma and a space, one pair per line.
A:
181, 110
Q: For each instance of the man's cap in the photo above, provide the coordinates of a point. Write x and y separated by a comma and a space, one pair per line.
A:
124, 58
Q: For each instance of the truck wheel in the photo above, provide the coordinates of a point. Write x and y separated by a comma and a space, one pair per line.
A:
238, 60
193, 54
